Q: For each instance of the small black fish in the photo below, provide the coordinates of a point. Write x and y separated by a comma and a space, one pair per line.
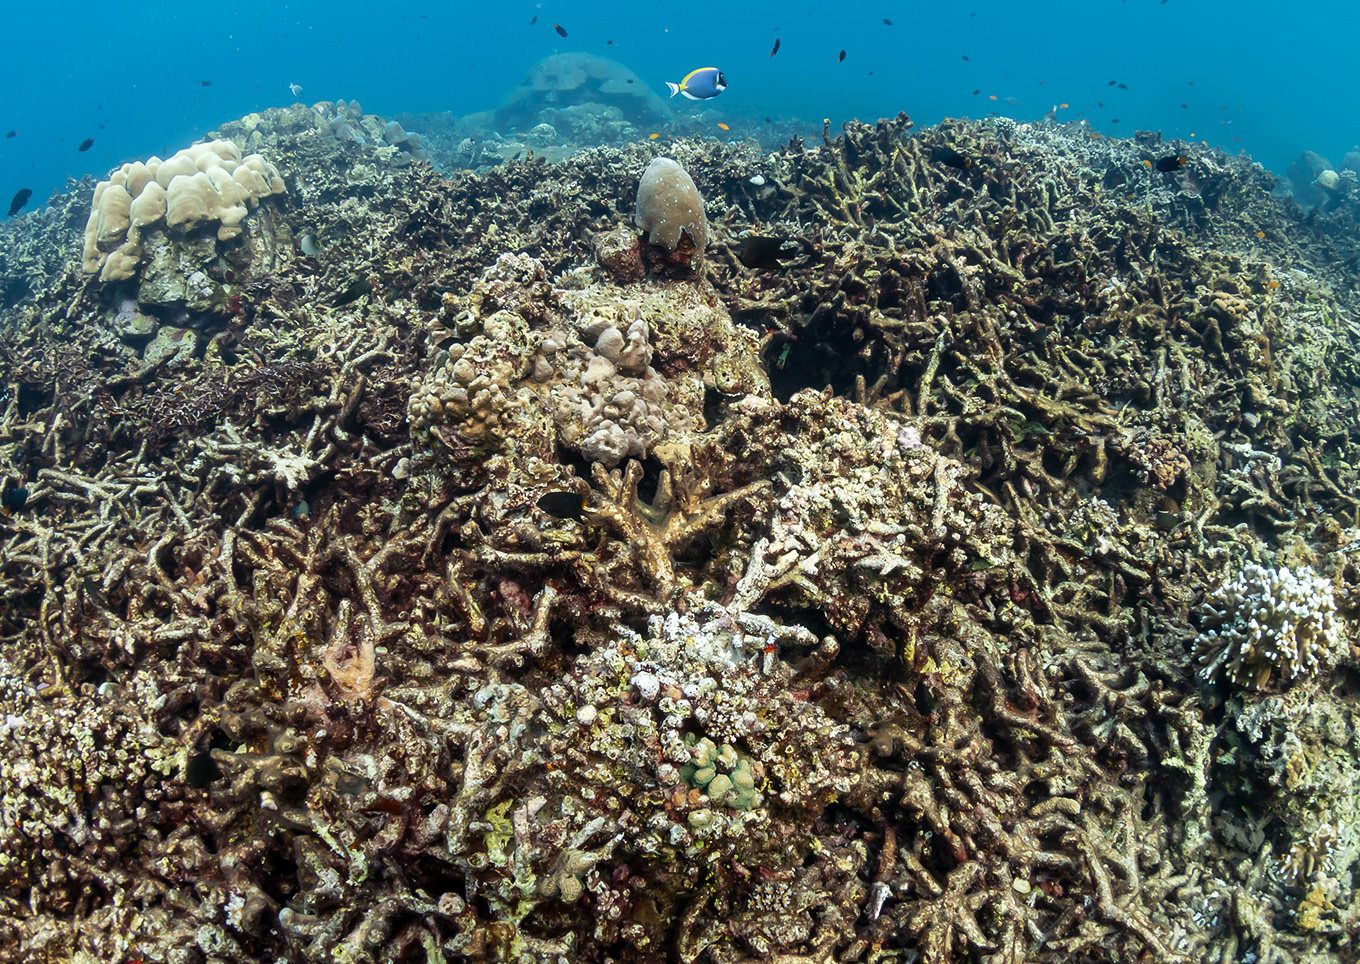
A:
887, 22
1114, 120
533, 20
775, 49
762, 253
841, 58
86, 144
562, 505
11, 134
205, 83
965, 57
976, 91
1112, 83
15, 499
352, 292
1185, 106
951, 158
609, 43
1123, 86
20, 199
561, 30
1172, 163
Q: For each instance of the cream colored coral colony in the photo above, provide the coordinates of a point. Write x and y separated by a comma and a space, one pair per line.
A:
203, 184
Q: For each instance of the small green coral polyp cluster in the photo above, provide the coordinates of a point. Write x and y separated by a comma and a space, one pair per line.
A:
723, 776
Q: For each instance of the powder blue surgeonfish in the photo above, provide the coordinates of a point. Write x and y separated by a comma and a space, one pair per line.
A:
702, 84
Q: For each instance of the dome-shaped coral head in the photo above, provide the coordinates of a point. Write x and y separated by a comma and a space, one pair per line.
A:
1270, 624
671, 211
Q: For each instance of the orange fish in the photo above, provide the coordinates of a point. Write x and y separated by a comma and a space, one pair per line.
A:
1147, 164
1272, 284
653, 136
1063, 106
991, 96
723, 127
1260, 234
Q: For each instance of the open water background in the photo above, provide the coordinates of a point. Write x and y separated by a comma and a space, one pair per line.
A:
1268, 79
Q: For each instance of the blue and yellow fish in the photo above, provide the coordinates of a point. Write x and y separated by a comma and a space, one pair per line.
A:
702, 84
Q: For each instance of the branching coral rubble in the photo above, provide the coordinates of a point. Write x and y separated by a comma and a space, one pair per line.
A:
955, 563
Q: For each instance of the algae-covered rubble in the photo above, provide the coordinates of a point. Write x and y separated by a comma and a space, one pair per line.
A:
969, 576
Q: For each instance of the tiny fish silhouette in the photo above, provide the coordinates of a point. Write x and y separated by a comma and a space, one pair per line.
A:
561, 30
775, 49
205, 83
562, 505
11, 134
20, 199
86, 144
841, 58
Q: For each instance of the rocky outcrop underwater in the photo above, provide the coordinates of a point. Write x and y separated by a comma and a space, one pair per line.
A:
923, 545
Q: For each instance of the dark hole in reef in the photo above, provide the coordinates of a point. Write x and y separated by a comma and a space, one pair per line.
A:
1348, 680
561, 632
651, 478
201, 770
31, 399
434, 876
575, 461
946, 284
277, 875
812, 360
1149, 811
714, 408
1121, 485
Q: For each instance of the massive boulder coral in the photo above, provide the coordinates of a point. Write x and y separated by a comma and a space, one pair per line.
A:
670, 209
207, 184
582, 367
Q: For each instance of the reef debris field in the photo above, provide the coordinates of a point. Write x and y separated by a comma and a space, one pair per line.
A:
942, 548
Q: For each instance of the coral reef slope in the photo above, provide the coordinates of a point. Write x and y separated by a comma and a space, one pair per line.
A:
948, 554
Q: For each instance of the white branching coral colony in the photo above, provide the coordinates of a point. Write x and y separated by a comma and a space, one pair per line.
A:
206, 183
1268, 623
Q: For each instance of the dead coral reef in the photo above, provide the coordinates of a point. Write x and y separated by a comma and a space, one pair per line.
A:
480, 588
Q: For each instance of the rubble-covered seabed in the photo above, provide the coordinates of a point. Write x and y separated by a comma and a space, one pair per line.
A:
435, 572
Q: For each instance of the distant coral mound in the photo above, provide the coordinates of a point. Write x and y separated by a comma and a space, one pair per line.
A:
573, 79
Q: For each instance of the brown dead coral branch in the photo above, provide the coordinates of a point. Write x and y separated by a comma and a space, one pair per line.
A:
655, 533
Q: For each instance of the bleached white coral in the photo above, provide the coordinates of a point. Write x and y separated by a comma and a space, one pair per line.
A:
1268, 623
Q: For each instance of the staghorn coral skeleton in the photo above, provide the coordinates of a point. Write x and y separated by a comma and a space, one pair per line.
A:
296, 664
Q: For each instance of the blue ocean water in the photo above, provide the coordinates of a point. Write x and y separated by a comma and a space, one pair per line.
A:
1267, 79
